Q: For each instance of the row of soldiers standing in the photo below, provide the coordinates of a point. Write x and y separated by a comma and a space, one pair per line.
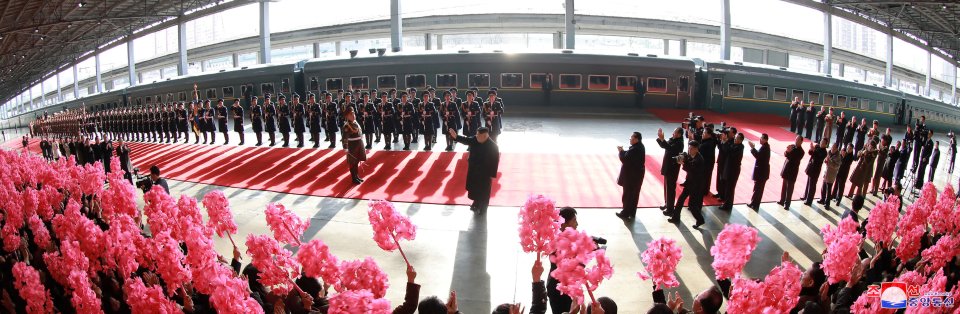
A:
394, 115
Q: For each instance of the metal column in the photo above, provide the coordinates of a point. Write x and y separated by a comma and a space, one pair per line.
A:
31, 98
666, 47
131, 64
725, 30
827, 43
571, 25
336, 46
683, 47
43, 95
953, 82
59, 89
316, 50
888, 76
76, 83
236, 59
396, 26
426, 41
182, 67
264, 32
439, 41
97, 67
926, 89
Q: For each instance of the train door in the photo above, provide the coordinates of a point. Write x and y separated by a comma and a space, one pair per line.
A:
684, 96
901, 109
716, 93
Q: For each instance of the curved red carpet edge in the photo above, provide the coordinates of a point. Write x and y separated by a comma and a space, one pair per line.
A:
579, 180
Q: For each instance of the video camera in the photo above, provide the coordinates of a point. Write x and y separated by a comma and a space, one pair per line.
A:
683, 156
143, 182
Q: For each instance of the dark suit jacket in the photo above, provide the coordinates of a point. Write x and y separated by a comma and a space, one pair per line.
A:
633, 165
672, 147
734, 160
483, 163
761, 170
815, 163
539, 303
410, 300
791, 166
695, 180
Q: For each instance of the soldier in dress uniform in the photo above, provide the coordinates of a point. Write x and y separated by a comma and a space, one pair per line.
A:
370, 115
238, 119
270, 118
376, 118
196, 118
211, 127
182, 125
354, 143
451, 118
407, 114
417, 122
495, 114
473, 114
283, 119
387, 118
316, 112
172, 123
256, 119
298, 111
429, 118
397, 108
331, 114
221, 115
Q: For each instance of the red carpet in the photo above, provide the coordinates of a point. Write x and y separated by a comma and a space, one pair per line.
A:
579, 180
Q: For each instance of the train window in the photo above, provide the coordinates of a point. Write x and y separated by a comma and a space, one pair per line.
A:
717, 86
598, 82
446, 80
211, 93
386, 81
841, 101
511, 80
570, 81
266, 88
360, 82
139, 101
478, 80
735, 90
285, 86
779, 94
246, 90
761, 92
828, 99
798, 94
228, 92
314, 84
892, 108
416, 81
880, 107
169, 97
158, 98
814, 97
865, 104
626, 83
854, 102
149, 99
334, 84
182, 96
656, 85
683, 84
537, 79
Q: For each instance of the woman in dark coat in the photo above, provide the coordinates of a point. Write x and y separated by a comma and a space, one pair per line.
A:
270, 119
889, 165
370, 118
238, 119
256, 117
298, 111
283, 119
355, 151
387, 118
221, 112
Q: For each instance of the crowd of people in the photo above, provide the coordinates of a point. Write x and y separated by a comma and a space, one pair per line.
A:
390, 116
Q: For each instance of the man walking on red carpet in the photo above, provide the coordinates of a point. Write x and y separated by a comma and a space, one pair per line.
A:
481, 166
632, 171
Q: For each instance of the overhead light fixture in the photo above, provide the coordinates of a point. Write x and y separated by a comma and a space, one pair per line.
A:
81, 4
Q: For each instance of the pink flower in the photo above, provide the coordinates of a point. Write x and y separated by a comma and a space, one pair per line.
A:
868, 305
67, 260
233, 297
363, 275
941, 220
661, 257
148, 300
732, 249
189, 216
27, 282
539, 224
205, 268
287, 227
389, 226
782, 287
218, 209
162, 212
276, 265
574, 252
909, 244
935, 284
358, 301
942, 252
745, 295
122, 241
843, 247
169, 262
84, 300
317, 261
912, 278
120, 197
882, 222
93, 177
41, 236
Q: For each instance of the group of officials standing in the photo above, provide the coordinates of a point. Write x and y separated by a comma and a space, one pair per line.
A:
836, 143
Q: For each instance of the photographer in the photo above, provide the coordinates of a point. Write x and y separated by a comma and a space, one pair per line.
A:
692, 163
668, 168
146, 184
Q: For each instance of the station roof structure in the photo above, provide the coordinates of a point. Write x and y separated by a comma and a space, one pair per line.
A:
39, 37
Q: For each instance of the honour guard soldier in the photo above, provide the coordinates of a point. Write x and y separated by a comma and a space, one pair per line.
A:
222, 120
172, 123
331, 114
430, 125
256, 119
283, 119
376, 118
238, 119
195, 119
298, 111
316, 114
494, 117
397, 108
182, 125
345, 104
208, 114
451, 118
370, 117
387, 113
473, 114
407, 112
270, 117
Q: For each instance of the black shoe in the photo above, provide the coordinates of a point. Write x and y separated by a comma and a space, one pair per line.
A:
449, 149
332, 146
386, 147
286, 145
623, 216
780, 203
674, 221
407, 147
368, 146
808, 204
272, 143
300, 145
357, 181
316, 145
663, 207
697, 226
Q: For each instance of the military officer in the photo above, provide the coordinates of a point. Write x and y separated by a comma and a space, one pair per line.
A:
270, 119
297, 111
222, 120
283, 119
238, 119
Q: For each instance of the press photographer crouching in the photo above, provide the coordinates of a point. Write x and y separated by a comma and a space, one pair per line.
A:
145, 183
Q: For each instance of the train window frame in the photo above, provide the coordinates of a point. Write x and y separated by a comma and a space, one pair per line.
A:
757, 90
854, 102
504, 75
683, 84
717, 86
730, 92
537, 83
158, 98
864, 104
828, 103
814, 100
664, 89
406, 81
326, 83
631, 83
570, 86
470, 80
264, 91
170, 97
285, 86
314, 84
182, 96
841, 101
390, 77
590, 82
892, 108
447, 76
231, 94
211, 90
776, 94
365, 84
803, 94
148, 99
139, 101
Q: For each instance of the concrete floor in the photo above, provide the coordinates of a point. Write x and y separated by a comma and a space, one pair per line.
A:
479, 256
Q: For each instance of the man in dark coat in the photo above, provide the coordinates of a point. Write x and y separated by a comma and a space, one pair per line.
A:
631, 175
791, 166
919, 139
934, 160
811, 118
902, 164
926, 150
841, 126
297, 113
801, 119
794, 111
731, 170
692, 163
821, 122
818, 152
483, 164
761, 170
123, 154
708, 149
669, 168
238, 119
